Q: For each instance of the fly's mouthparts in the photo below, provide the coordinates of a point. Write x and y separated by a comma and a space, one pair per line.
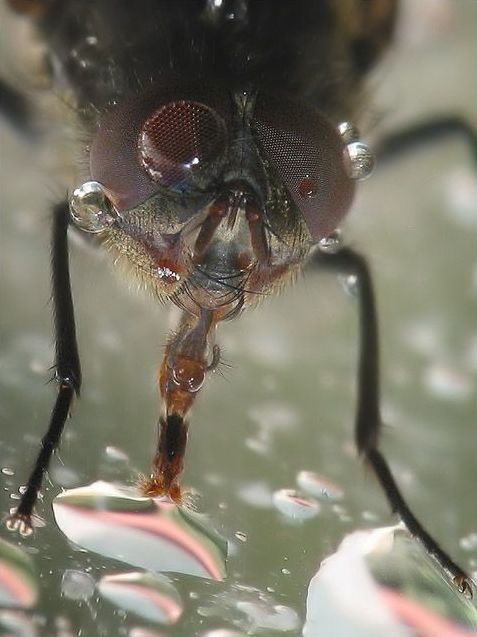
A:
181, 376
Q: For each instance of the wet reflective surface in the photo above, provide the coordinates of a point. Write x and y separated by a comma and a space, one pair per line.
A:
148, 533
285, 406
380, 569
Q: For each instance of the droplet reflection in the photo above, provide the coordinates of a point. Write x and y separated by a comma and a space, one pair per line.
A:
18, 582
318, 486
294, 505
147, 533
150, 596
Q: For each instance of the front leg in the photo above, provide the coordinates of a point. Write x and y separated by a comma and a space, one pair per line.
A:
67, 369
368, 417
416, 135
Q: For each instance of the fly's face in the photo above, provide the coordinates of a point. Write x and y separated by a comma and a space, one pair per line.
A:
214, 195
214, 198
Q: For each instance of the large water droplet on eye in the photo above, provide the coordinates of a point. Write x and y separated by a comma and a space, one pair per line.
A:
359, 160
90, 208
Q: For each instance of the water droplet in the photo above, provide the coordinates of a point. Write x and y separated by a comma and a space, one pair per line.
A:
285, 571
460, 191
64, 476
318, 486
445, 381
258, 445
91, 209
370, 516
18, 582
350, 284
342, 513
240, 535
294, 505
272, 416
469, 542
332, 243
170, 539
148, 595
256, 494
261, 616
348, 132
115, 454
359, 161
77, 585
8, 472
140, 631
424, 335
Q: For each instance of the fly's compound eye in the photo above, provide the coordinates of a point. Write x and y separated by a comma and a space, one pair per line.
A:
170, 138
317, 163
91, 208
180, 141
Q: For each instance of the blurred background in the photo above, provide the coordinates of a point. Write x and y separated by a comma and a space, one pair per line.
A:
285, 400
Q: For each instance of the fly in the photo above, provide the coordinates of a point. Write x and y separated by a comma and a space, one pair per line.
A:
222, 156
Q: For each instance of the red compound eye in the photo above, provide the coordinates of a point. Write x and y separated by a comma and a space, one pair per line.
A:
168, 136
180, 139
308, 153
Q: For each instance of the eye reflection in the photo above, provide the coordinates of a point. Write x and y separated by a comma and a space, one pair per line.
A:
178, 139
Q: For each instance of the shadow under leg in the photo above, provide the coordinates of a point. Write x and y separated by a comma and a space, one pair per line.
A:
67, 369
368, 417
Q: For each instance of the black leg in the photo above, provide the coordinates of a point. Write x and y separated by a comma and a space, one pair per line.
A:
67, 366
368, 417
410, 138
